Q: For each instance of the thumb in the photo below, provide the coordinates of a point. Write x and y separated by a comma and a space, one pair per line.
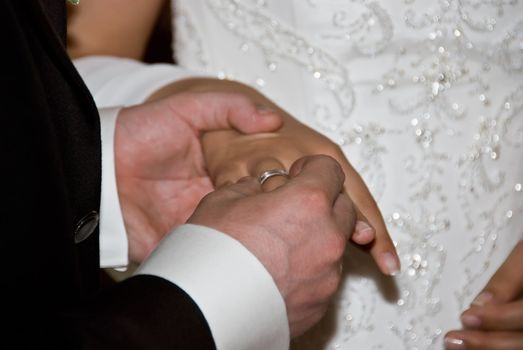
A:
320, 172
507, 283
206, 111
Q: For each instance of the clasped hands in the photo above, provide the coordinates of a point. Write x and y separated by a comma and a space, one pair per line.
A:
298, 231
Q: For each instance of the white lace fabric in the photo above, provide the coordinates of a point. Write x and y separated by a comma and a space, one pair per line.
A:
426, 99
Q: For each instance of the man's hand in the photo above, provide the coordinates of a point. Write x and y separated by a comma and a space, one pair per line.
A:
298, 231
160, 169
495, 319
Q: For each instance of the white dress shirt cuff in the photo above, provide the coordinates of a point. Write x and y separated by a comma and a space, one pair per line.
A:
234, 291
113, 237
117, 81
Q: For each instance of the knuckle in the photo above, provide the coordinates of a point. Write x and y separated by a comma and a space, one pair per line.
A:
312, 196
335, 246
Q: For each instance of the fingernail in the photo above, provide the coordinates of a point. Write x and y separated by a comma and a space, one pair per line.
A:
452, 343
470, 321
362, 228
482, 299
391, 264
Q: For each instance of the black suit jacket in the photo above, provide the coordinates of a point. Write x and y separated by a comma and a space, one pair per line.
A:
51, 173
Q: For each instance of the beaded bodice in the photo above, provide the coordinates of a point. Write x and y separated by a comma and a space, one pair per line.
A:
426, 99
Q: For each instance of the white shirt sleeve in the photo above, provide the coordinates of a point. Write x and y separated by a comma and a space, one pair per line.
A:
117, 81
234, 291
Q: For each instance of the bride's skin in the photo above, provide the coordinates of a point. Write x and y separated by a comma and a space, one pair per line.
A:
111, 27
493, 322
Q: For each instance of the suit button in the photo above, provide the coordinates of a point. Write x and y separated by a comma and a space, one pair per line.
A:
86, 226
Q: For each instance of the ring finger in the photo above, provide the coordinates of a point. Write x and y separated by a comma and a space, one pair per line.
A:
272, 179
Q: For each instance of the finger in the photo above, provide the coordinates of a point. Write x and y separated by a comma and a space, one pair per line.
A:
507, 283
364, 233
244, 187
345, 214
268, 164
229, 173
318, 172
382, 247
478, 340
210, 205
493, 317
213, 110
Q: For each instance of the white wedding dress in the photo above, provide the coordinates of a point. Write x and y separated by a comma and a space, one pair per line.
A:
426, 99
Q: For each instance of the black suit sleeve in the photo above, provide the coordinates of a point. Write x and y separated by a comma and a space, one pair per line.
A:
143, 312
50, 168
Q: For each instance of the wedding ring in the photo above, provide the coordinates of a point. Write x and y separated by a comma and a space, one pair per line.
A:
266, 175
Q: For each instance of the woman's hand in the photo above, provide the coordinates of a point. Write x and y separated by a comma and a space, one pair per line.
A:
230, 156
495, 319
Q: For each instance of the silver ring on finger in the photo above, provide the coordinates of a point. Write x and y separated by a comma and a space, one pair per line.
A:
267, 174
